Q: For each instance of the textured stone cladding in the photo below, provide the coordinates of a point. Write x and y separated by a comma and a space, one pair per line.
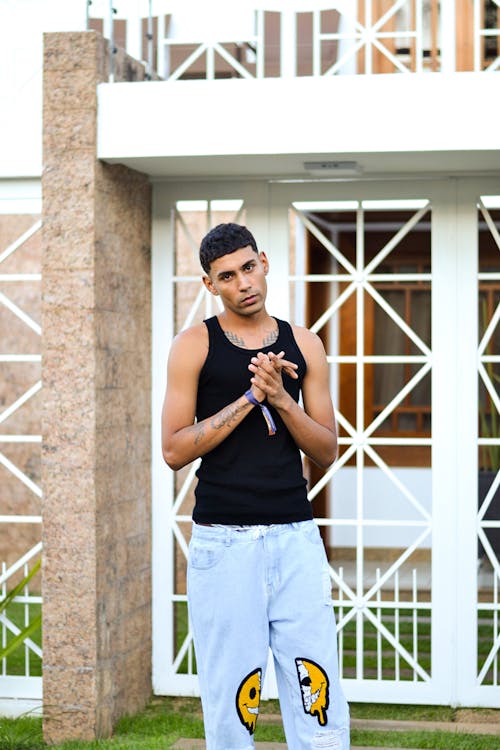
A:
96, 406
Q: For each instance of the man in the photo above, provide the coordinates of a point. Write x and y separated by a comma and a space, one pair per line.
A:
257, 573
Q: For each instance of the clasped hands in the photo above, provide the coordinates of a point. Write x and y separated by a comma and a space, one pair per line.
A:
267, 380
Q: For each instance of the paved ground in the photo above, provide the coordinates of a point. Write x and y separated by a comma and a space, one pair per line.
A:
200, 745
383, 725
425, 726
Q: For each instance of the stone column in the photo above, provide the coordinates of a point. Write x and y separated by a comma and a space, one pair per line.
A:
96, 371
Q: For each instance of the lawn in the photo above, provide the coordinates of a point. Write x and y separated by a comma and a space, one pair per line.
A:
165, 720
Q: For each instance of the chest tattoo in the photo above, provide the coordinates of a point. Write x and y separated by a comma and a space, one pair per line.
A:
235, 339
268, 339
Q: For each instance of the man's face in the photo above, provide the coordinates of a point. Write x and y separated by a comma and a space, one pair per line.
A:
239, 278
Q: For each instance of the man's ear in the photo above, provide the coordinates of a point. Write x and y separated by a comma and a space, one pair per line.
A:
264, 261
209, 285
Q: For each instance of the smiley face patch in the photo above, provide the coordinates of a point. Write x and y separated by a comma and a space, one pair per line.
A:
248, 699
314, 687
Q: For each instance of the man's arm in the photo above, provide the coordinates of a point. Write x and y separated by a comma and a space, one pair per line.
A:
313, 427
183, 439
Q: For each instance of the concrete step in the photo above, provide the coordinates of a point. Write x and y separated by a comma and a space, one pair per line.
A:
393, 725
200, 745
378, 725
456, 727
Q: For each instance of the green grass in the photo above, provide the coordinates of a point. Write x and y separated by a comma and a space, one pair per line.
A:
24, 733
165, 720
401, 712
16, 664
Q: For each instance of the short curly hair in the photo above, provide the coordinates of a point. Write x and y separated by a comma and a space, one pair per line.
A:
222, 240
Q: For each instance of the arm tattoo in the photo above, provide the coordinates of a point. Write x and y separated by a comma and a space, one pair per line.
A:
200, 431
227, 415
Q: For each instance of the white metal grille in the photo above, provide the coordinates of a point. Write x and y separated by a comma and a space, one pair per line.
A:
382, 632
488, 631
190, 220
20, 519
417, 622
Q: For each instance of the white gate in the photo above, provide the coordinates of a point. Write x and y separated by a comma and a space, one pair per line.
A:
387, 275
20, 506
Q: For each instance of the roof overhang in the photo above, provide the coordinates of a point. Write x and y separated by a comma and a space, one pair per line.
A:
387, 124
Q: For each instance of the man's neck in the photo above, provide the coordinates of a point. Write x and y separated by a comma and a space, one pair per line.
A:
252, 332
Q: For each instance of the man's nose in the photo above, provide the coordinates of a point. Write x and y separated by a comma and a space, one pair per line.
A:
243, 281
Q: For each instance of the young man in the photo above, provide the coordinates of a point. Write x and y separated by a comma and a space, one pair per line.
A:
257, 574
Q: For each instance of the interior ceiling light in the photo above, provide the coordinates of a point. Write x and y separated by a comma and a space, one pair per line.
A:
333, 168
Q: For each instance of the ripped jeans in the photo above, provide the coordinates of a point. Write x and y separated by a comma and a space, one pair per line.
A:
250, 589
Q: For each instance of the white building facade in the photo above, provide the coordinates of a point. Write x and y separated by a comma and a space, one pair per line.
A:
358, 141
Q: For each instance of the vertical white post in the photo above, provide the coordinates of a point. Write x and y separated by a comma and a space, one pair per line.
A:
162, 480
360, 427
288, 43
477, 36
150, 40
279, 249
259, 33
316, 43
210, 62
445, 426
134, 32
448, 36
368, 44
419, 46
467, 408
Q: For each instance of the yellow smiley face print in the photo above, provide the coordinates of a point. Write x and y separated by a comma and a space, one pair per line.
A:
248, 699
314, 686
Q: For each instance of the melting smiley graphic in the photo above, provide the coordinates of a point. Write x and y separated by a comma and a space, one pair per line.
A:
248, 699
314, 686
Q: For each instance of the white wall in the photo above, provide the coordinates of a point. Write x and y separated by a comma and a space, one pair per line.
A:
22, 23
380, 114
383, 502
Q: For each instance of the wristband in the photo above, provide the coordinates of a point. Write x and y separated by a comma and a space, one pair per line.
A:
271, 427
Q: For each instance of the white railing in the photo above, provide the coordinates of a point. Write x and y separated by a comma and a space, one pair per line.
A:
269, 38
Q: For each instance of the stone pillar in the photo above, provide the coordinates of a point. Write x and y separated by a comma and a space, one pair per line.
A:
96, 296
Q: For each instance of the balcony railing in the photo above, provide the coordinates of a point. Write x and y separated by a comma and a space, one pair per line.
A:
256, 39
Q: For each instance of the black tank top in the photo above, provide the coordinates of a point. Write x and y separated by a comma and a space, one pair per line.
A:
251, 477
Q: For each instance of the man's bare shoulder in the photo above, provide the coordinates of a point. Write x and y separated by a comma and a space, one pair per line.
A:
191, 344
309, 342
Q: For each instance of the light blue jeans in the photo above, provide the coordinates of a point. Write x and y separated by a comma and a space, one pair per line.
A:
254, 588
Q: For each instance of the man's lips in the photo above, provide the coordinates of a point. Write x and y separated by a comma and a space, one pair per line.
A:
249, 300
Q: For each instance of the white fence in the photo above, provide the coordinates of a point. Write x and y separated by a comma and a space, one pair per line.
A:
257, 39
